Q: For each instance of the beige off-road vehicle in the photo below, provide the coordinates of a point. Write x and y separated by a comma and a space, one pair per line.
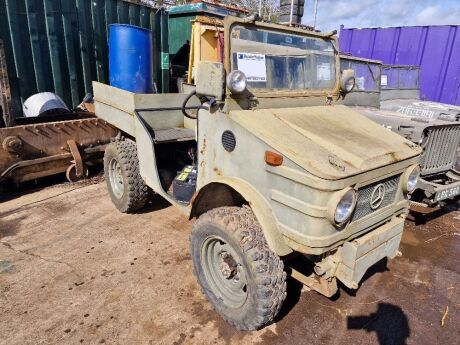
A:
270, 167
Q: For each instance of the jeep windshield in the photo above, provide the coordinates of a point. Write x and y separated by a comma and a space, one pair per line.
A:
282, 60
367, 74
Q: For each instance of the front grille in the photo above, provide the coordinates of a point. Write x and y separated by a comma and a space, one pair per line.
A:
440, 149
363, 204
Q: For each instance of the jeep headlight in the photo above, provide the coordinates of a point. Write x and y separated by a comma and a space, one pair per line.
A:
410, 178
341, 206
347, 81
349, 84
236, 81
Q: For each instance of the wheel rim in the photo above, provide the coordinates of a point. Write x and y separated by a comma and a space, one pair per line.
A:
116, 178
224, 272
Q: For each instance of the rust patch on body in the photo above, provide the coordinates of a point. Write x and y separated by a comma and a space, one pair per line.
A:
203, 149
217, 171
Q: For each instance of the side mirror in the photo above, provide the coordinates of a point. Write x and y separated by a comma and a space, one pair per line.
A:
210, 80
347, 81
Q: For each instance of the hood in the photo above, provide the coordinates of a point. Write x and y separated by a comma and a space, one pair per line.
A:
414, 108
410, 127
331, 142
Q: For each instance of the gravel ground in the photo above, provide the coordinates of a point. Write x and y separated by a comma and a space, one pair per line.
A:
73, 270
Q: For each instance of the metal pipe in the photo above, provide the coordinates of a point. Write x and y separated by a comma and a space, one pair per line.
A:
292, 12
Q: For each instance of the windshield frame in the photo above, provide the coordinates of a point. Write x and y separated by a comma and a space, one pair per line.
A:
230, 22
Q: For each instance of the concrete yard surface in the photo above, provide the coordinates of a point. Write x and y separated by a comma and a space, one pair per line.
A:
73, 270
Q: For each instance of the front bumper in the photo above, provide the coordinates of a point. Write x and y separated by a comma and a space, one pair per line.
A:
436, 192
355, 257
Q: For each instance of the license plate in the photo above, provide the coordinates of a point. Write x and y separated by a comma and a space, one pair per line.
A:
447, 193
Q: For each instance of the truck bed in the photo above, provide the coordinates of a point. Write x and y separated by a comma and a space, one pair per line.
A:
161, 112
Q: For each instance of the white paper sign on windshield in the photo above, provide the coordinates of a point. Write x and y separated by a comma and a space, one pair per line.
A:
360, 81
324, 71
253, 66
384, 80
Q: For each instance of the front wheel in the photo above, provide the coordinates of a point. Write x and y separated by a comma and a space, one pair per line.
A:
126, 187
242, 278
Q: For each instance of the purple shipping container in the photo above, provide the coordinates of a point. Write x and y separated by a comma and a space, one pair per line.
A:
435, 48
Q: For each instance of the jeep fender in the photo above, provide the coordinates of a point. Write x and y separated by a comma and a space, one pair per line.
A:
206, 200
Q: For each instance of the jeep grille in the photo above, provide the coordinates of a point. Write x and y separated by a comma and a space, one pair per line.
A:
363, 204
440, 149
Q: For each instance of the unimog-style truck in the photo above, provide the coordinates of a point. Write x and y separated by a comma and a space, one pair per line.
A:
273, 170
389, 96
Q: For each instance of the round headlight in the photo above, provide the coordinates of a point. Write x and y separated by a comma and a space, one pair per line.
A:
236, 81
347, 81
345, 207
411, 178
349, 84
341, 206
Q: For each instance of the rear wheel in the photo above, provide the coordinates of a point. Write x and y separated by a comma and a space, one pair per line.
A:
242, 278
126, 187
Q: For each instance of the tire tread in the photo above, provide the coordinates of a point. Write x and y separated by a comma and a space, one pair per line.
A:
137, 196
270, 276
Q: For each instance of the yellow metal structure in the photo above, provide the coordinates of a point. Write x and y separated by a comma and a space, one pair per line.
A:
204, 44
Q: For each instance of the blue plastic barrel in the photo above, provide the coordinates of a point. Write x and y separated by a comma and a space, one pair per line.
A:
130, 58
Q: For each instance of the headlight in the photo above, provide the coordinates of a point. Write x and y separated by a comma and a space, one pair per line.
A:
341, 206
349, 84
236, 81
411, 177
348, 81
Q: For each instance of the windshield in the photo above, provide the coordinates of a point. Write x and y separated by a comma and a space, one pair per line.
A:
367, 75
400, 77
273, 60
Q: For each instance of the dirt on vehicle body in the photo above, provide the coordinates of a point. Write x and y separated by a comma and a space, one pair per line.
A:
275, 168
433, 126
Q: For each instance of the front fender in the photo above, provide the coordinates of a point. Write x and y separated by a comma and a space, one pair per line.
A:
259, 206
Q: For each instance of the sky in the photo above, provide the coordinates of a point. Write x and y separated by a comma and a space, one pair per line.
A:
376, 13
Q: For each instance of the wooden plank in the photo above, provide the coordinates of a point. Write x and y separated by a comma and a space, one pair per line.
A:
22, 53
134, 14
70, 24
100, 39
110, 11
16, 107
84, 19
5, 91
144, 17
59, 64
39, 45
122, 12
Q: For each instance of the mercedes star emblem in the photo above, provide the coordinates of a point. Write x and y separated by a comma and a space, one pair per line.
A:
377, 196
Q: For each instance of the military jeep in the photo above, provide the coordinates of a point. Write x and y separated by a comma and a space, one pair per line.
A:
400, 92
280, 178
389, 96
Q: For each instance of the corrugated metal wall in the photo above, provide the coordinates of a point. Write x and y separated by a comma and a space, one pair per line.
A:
61, 45
435, 48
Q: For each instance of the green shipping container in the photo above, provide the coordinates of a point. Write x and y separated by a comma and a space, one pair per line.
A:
62, 45
180, 29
